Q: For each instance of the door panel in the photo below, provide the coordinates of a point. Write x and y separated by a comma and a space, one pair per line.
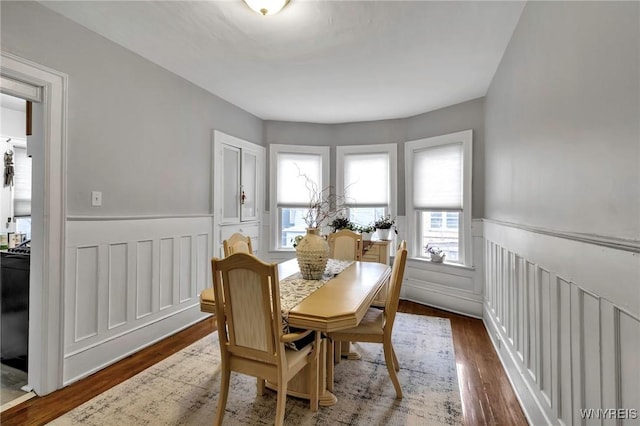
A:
231, 184
249, 186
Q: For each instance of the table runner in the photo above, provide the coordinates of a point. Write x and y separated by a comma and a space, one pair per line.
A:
294, 289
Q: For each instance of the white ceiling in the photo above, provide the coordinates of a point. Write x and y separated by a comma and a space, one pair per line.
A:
316, 61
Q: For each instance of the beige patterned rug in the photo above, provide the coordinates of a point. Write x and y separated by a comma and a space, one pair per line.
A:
183, 389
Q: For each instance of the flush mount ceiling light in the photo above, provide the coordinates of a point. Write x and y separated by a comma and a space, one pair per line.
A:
266, 7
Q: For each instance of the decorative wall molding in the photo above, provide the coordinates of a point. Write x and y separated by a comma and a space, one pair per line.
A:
130, 283
76, 218
564, 316
610, 242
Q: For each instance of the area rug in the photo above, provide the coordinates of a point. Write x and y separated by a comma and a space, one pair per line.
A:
183, 389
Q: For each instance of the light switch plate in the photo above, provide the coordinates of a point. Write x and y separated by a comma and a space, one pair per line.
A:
96, 198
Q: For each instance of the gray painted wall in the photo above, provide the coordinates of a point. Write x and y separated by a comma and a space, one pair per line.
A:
142, 135
464, 116
562, 148
136, 132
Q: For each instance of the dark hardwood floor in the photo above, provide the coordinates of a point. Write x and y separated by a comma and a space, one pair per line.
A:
487, 396
486, 393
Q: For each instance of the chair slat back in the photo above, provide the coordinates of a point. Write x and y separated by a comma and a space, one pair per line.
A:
345, 245
395, 284
251, 312
237, 243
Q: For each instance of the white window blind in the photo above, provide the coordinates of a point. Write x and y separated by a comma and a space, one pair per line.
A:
22, 183
366, 179
437, 177
293, 189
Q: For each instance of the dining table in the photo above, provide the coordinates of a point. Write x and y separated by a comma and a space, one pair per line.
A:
339, 302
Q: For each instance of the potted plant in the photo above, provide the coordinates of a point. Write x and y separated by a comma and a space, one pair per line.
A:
341, 222
437, 255
384, 225
366, 231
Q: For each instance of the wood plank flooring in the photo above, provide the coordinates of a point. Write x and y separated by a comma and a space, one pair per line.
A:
487, 396
486, 393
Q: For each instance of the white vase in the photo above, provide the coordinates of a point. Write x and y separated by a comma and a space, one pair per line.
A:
312, 253
383, 234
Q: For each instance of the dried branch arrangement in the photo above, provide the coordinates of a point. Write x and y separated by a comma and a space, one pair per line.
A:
324, 204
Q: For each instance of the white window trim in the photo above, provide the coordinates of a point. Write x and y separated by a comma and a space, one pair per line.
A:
274, 150
466, 239
389, 148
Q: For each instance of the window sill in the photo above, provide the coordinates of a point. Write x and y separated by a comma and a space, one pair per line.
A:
445, 267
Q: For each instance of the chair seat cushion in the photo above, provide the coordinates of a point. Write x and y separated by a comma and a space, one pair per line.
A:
372, 323
208, 296
208, 301
296, 356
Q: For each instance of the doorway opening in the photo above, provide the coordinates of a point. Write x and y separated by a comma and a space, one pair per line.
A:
47, 90
15, 249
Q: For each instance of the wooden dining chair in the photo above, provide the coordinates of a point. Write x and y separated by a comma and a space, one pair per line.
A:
345, 245
377, 324
236, 243
251, 334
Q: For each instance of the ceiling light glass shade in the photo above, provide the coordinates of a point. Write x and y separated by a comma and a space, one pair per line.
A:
266, 7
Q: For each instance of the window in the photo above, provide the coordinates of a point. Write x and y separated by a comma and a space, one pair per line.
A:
438, 178
19, 194
440, 229
22, 182
365, 177
21, 190
294, 169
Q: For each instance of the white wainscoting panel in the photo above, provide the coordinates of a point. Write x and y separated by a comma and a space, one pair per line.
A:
118, 256
86, 296
144, 277
628, 359
564, 316
185, 268
130, 282
166, 273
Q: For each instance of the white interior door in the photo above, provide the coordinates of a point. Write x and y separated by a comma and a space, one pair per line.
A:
230, 184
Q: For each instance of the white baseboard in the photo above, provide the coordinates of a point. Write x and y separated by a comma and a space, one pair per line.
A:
453, 300
84, 363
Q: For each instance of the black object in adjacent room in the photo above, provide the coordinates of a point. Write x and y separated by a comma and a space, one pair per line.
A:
14, 307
